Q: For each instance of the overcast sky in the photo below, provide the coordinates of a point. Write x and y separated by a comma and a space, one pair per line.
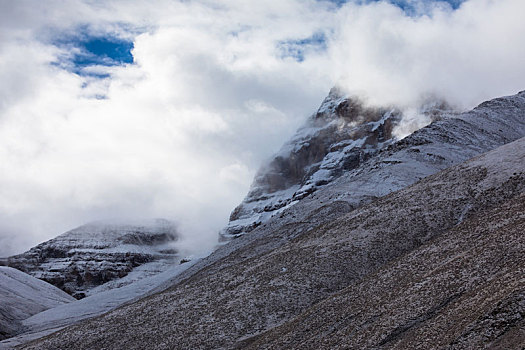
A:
140, 109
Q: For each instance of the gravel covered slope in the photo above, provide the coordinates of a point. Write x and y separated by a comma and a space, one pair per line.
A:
269, 279
463, 290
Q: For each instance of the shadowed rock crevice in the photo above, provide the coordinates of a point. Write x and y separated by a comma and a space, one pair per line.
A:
506, 317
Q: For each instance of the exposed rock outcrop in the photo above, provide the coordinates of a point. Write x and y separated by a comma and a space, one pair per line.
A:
386, 167
339, 137
342, 136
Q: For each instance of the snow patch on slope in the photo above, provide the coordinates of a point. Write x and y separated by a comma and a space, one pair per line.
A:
22, 296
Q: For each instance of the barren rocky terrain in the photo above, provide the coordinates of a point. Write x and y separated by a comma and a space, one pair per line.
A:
464, 289
417, 246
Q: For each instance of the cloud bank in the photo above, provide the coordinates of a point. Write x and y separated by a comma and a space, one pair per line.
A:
465, 55
214, 89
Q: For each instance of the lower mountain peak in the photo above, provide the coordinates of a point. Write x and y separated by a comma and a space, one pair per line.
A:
101, 255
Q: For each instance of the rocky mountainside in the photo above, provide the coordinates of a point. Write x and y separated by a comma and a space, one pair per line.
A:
346, 137
467, 292
341, 136
101, 255
53, 319
450, 139
452, 284
22, 296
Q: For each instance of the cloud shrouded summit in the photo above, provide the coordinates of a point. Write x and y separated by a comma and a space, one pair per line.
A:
212, 90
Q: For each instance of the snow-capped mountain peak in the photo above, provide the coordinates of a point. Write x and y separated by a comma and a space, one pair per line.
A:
339, 137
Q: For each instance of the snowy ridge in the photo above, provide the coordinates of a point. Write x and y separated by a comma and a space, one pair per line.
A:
445, 142
338, 137
349, 154
22, 296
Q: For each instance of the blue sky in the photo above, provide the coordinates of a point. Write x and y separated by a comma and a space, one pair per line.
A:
408, 5
109, 50
88, 50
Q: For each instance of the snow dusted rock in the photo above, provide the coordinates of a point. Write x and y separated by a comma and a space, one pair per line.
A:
371, 162
330, 240
460, 289
22, 296
101, 256
341, 136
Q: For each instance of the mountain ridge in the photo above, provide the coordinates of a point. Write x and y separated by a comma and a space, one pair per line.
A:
325, 158
337, 237
101, 255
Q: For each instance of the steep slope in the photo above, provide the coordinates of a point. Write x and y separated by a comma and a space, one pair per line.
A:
465, 289
22, 296
258, 282
101, 254
462, 290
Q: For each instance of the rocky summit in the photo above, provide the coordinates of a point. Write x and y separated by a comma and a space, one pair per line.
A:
339, 137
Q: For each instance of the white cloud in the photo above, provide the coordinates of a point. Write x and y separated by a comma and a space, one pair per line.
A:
473, 53
181, 131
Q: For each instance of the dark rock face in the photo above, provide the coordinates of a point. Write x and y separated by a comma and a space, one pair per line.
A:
94, 254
